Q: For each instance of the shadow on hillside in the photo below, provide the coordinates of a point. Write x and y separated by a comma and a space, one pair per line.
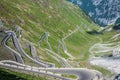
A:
117, 27
93, 32
4, 75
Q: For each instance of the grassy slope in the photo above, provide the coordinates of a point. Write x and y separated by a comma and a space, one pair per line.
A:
54, 16
58, 17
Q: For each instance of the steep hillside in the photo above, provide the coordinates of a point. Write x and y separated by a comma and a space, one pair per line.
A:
59, 18
56, 25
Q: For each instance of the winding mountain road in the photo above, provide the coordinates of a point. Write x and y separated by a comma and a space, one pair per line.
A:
35, 56
80, 73
16, 54
45, 69
19, 48
61, 60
